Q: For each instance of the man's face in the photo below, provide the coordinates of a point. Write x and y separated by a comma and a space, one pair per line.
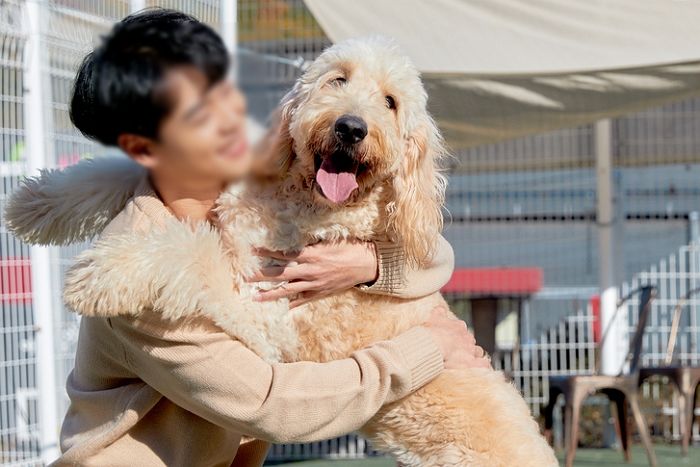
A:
204, 135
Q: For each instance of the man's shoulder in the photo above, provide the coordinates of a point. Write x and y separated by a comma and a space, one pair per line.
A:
142, 212
129, 220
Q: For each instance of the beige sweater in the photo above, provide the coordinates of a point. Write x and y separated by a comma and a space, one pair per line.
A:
150, 393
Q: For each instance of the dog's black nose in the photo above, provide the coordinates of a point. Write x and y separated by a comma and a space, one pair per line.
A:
350, 129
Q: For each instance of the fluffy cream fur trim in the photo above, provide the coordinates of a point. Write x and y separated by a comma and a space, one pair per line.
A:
59, 207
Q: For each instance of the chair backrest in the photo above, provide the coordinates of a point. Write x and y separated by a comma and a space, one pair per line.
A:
677, 311
647, 293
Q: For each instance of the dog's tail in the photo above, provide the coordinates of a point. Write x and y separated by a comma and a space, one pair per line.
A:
59, 207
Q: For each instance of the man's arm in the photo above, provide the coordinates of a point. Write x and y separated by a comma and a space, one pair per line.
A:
323, 269
217, 378
397, 278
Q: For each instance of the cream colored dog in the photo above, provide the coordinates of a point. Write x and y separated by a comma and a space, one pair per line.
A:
355, 156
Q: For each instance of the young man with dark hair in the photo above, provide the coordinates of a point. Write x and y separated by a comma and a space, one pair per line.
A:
147, 392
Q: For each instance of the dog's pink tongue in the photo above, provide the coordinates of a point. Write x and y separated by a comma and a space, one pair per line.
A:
337, 185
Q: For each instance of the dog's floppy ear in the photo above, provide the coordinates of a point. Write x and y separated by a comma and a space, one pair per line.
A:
275, 152
415, 216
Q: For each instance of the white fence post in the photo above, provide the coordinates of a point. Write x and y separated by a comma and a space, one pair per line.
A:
136, 5
42, 302
229, 32
693, 226
613, 348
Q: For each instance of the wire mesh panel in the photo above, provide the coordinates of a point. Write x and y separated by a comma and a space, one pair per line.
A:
18, 390
565, 349
73, 29
274, 39
207, 11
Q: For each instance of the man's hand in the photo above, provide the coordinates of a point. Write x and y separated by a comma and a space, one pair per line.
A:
456, 343
319, 270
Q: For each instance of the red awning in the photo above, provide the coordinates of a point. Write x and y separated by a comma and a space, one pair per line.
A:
495, 281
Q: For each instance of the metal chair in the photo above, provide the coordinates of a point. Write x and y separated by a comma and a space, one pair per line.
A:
622, 390
685, 379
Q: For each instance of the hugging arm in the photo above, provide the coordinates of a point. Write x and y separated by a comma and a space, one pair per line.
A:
219, 379
325, 269
397, 277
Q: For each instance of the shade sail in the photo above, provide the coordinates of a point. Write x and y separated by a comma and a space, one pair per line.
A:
500, 69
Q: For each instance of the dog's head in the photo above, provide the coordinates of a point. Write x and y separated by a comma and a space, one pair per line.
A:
356, 122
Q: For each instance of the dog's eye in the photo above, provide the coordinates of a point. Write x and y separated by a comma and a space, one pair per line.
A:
390, 102
339, 81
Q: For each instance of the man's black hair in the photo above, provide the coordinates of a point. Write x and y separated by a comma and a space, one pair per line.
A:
118, 88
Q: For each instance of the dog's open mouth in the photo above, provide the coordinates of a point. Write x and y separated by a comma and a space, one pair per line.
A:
336, 175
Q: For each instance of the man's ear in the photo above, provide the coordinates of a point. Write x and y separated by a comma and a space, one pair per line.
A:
139, 148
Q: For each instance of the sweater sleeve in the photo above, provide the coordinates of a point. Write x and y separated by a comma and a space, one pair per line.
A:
219, 379
398, 278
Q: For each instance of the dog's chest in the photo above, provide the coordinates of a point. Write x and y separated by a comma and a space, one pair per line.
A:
270, 217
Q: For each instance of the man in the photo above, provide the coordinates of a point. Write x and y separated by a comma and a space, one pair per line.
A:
147, 392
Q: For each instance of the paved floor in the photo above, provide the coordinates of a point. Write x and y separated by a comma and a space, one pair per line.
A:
668, 456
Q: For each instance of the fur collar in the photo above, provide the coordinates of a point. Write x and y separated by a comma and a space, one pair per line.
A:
59, 207
140, 242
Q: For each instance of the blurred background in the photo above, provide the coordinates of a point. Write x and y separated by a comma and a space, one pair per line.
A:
575, 181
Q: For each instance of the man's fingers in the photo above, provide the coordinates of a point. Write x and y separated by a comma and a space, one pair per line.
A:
276, 254
288, 272
269, 273
286, 290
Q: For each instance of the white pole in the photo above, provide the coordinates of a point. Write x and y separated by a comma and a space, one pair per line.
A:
41, 256
229, 32
136, 5
613, 353
693, 226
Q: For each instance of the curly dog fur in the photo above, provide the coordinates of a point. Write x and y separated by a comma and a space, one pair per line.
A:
462, 418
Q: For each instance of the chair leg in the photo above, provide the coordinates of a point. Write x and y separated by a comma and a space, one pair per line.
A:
686, 407
548, 413
691, 417
621, 422
642, 428
573, 414
685, 412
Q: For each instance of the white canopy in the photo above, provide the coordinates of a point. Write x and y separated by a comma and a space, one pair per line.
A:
497, 69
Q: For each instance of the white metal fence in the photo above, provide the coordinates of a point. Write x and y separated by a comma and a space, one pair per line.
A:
565, 349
